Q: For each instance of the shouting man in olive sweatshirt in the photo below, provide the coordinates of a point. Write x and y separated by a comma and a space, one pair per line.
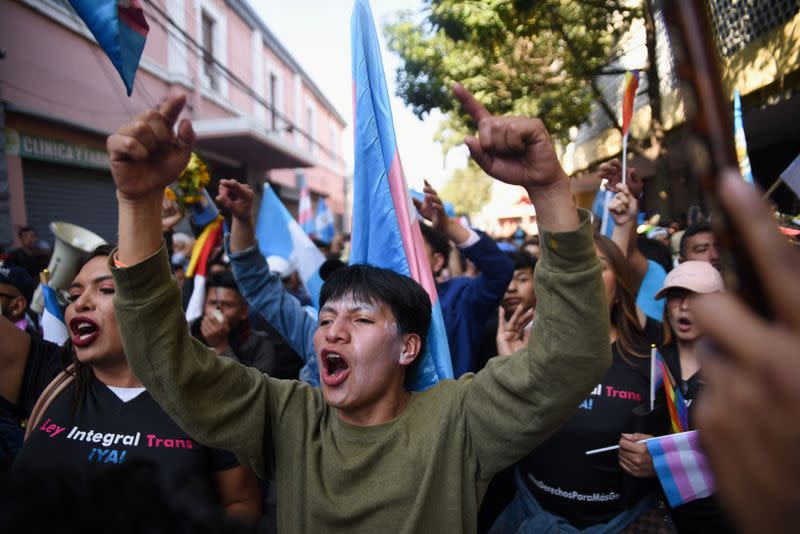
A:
363, 454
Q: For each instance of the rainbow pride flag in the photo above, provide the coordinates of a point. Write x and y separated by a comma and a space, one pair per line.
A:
630, 85
385, 228
681, 467
660, 375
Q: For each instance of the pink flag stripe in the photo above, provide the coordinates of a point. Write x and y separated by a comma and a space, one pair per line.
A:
409, 230
679, 474
681, 467
697, 465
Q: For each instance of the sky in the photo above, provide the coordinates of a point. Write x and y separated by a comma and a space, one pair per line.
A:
317, 34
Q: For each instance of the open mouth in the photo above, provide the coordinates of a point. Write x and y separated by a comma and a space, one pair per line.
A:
84, 331
684, 324
335, 369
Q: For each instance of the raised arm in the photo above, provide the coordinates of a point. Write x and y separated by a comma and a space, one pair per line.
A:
624, 208
217, 401
263, 289
517, 401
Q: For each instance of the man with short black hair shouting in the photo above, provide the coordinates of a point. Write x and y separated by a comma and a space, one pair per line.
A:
363, 454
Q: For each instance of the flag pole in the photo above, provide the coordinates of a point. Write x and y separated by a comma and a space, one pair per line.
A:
615, 447
652, 377
625, 159
772, 188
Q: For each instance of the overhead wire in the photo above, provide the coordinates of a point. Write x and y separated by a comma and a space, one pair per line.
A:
204, 56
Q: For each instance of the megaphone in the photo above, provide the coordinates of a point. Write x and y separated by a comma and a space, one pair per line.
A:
72, 242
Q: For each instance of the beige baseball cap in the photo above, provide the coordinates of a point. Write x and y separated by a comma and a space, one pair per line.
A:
694, 276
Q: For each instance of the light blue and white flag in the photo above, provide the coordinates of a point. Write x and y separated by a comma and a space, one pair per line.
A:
279, 234
323, 223
53, 327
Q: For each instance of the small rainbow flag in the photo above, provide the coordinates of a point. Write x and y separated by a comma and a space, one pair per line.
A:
659, 374
630, 85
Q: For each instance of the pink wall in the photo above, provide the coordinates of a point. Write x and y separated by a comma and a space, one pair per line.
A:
53, 71
240, 60
155, 49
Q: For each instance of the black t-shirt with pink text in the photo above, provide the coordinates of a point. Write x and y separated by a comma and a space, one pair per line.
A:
102, 431
587, 490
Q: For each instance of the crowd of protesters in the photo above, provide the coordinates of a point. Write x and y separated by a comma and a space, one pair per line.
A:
290, 418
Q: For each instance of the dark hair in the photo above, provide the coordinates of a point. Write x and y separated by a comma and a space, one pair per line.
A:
532, 240
436, 240
522, 260
83, 372
217, 261
330, 266
655, 250
410, 304
27, 228
691, 231
221, 279
630, 336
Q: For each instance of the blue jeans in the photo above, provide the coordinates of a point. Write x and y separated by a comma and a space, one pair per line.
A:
524, 515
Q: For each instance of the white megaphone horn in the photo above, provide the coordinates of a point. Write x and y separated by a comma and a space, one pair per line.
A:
72, 242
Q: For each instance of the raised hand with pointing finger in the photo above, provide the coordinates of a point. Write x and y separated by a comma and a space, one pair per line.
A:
518, 151
146, 155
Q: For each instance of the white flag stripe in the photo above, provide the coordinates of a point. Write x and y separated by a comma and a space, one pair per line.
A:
687, 458
194, 310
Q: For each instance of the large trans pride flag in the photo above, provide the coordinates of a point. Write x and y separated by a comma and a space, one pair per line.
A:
385, 230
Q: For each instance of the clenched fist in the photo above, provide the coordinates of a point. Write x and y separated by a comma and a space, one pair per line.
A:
146, 155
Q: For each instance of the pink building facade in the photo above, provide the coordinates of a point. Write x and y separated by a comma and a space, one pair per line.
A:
258, 116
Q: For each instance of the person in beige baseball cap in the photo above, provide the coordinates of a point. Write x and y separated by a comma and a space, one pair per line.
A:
693, 276
681, 334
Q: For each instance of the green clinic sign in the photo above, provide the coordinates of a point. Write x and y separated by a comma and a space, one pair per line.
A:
53, 150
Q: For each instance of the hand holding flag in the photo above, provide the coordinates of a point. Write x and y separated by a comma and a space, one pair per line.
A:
611, 171
634, 458
623, 206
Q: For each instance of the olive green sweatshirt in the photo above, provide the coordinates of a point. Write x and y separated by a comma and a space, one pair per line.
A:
426, 470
